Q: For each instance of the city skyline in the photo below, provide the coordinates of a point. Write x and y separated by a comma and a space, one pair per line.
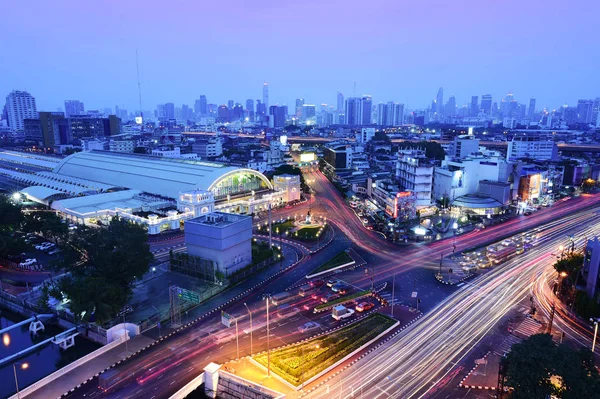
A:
193, 67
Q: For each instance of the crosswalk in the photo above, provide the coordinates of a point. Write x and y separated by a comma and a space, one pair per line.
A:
525, 329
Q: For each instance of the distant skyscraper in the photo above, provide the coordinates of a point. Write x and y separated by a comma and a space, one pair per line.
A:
20, 105
474, 106
185, 112
486, 104
201, 106
250, 109
266, 95
299, 104
596, 112
230, 104
584, 111
277, 116
366, 106
340, 102
439, 100
308, 111
352, 110
223, 113
73, 107
451, 106
170, 111
531, 110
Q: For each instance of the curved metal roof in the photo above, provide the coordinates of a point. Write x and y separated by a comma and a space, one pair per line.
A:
42, 194
156, 175
475, 201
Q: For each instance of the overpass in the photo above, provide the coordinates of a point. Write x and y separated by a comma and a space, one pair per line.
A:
495, 145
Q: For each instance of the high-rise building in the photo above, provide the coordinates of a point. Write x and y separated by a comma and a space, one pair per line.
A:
390, 114
450, 107
531, 110
486, 104
170, 111
201, 106
596, 112
299, 104
276, 116
439, 100
55, 129
308, 111
584, 111
223, 113
73, 107
352, 111
186, 112
474, 106
266, 95
261, 110
19, 106
366, 105
250, 109
340, 102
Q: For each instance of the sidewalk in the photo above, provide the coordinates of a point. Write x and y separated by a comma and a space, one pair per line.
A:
89, 369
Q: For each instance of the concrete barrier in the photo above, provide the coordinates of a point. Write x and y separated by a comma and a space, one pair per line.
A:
188, 388
68, 368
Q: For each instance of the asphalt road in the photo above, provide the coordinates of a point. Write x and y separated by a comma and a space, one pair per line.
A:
168, 366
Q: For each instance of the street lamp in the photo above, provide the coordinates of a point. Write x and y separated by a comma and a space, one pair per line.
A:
595, 321
267, 297
250, 313
23, 366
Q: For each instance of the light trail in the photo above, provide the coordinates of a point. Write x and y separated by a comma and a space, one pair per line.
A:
409, 365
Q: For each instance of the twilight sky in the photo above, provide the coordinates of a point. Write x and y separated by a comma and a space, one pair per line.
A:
400, 50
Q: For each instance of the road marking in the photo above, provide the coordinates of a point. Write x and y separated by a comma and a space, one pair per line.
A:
172, 382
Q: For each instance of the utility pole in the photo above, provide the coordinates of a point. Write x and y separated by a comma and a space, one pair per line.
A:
393, 293
553, 309
441, 257
268, 337
270, 235
250, 313
237, 340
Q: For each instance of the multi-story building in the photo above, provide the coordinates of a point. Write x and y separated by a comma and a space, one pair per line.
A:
276, 117
486, 104
208, 148
81, 126
531, 110
73, 107
591, 266
474, 111
340, 102
20, 105
365, 135
121, 145
358, 110
463, 146
584, 111
338, 156
534, 146
266, 95
414, 172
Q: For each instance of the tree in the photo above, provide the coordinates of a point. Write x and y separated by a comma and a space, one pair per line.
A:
529, 366
381, 136
433, 149
139, 150
49, 224
538, 368
10, 215
103, 265
570, 264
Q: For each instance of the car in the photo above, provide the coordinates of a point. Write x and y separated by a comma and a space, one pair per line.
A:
527, 213
332, 282
339, 287
28, 262
43, 246
317, 283
329, 297
364, 306
315, 296
309, 326
54, 251
49, 248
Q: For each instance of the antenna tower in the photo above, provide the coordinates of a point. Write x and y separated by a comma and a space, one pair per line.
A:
137, 66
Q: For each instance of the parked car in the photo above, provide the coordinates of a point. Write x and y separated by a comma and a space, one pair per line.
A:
364, 306
54, 251
309, 326
43, 246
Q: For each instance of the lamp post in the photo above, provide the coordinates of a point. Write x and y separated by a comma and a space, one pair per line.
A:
595, 321
126, 336
23, 366
268, 339
250, 313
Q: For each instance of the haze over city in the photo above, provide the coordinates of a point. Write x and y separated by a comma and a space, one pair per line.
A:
394, 51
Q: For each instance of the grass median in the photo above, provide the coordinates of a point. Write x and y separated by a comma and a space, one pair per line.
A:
302, 361
340, 259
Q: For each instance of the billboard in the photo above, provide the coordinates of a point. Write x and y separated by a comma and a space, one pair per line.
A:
138, 120
308, 157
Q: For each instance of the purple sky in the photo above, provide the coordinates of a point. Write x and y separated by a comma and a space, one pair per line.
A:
400, 50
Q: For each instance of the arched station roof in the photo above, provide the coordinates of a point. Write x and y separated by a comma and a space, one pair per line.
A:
155, 175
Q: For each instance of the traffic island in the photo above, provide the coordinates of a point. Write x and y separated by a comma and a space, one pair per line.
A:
484, 374
299, 364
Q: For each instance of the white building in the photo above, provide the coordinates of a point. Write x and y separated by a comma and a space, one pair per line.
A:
365, 135
209, 148
414, 172
20, 105
458, 177
463, 146
222, 238
121, 146
172, 153
533, 146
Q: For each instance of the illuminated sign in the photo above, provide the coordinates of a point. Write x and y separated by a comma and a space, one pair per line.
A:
138, 120
308, 157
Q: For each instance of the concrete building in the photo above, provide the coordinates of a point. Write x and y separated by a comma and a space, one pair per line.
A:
126, 146
20, 105
414, 172
591, 266
338, 156
290, 184
223, 238
73, 107
208, 148
534, 146
463, 146
365, 135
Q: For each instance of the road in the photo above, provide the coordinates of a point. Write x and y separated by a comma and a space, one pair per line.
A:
164, 368
411, 364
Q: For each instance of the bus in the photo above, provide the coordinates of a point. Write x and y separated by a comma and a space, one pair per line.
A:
286, 310
502, 254
281, 298
306, 290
